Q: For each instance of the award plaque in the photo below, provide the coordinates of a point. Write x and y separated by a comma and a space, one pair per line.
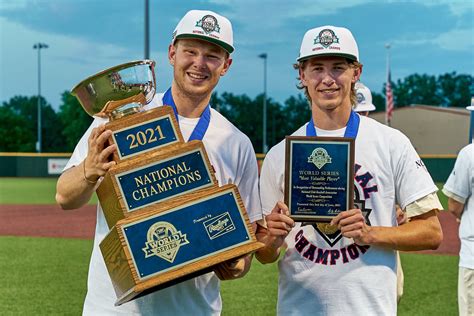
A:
144, 131
319, 177
169, 220
178, 240
141, 182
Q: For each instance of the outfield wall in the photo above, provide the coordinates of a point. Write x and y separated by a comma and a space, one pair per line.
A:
32, 164
439, 166
51, 164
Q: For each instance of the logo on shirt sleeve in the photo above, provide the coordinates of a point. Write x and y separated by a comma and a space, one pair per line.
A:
420, 164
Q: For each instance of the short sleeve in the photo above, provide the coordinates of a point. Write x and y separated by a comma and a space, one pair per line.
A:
423, 205
459, 181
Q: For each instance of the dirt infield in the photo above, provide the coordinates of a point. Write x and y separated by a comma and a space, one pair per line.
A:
47, 221
51, 221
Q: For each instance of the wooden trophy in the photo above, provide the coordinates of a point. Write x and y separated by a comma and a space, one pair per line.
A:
169, 219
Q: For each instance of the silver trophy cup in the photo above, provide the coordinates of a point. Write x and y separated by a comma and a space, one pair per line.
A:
118, 91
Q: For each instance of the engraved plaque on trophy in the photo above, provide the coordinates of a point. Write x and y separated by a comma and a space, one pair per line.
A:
144, 131
141, 182
319, 177
179, 239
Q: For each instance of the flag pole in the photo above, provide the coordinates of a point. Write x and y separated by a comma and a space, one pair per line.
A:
471, 125
387, 119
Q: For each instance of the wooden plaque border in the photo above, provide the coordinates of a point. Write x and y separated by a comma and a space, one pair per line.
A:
350, 184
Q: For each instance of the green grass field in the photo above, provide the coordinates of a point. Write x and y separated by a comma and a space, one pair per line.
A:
30, 191
43, 276
47, 276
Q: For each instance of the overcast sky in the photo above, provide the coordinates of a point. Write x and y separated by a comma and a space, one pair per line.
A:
86, 36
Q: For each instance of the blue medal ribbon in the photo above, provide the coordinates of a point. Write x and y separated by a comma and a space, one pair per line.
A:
203, 123
352, 127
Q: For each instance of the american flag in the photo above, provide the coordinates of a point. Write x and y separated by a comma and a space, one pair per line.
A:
388, 101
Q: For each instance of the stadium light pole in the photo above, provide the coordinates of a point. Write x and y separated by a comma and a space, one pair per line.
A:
264, 57
39, 46
147, 29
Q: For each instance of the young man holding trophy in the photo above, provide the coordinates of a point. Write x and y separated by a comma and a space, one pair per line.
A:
340, 259
199, 54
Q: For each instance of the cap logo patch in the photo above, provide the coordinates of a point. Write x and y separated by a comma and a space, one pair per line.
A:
360, 97
209, 24
326, 37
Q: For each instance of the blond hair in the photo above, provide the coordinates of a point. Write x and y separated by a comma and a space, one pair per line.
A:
301, 64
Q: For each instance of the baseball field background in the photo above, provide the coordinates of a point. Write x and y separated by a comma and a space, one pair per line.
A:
45, 252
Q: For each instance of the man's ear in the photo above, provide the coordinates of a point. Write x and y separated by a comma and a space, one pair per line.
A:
227, 64
357, 74
171, 54
302, 76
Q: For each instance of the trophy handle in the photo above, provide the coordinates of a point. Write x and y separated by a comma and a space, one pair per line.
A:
152, 67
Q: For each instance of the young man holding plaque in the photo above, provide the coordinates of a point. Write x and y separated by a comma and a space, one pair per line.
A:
346, 266
200, 54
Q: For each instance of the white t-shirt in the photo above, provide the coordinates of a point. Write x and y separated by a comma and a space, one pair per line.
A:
461, 183
233, 158
323, 273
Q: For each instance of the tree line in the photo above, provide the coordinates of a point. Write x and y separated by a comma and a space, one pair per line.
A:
61, 130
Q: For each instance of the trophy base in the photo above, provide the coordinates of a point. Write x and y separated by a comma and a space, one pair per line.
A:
137, 291
177, 240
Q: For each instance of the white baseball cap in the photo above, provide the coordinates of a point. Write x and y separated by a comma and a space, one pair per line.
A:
471, 107
328, 40
364, 98
208, 26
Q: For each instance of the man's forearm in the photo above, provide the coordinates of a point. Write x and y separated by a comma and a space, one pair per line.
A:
420, 233
72, 190
456, 208
268, 253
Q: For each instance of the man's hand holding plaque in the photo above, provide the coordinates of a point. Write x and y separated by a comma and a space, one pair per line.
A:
352, 224
273, 232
